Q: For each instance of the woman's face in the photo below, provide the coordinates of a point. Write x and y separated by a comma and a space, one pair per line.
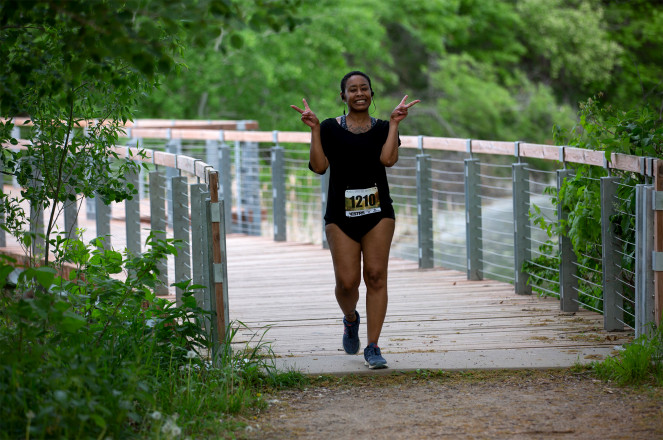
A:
357, 93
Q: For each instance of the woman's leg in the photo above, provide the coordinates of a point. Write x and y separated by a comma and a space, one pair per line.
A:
346, 256
375, 247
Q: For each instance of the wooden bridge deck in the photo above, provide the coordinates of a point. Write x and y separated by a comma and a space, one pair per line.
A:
287, 288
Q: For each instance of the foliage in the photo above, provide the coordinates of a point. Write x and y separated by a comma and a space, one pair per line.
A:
494, 70
77, 63
639, 363
606, 128
91, 356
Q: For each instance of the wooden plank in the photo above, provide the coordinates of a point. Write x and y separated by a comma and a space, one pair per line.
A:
538, 151
294, 137
187, 164
445, 144
165, 159
201, 170
588, 157
249, 136
493, 147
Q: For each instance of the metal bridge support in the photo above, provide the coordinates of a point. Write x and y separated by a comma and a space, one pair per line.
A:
200, 256
645, 318
425, 212
158, 224
173, 146
132, 216
278, 191
568, 283
473, 240
70, 208
225, 180
102, 218
521, 232
613, 302
37, 225
181, 231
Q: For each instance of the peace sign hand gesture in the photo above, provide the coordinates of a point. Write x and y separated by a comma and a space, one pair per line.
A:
308, 117
400, 112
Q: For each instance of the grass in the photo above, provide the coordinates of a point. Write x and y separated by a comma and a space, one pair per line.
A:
95, 357
641, 362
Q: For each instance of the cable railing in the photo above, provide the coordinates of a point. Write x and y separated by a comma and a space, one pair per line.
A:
460, 204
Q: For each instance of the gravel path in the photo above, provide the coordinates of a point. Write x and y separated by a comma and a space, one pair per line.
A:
557, 404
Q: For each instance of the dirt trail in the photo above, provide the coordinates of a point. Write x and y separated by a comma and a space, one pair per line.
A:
477, 405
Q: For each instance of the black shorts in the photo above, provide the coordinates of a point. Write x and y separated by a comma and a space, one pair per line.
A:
357, 227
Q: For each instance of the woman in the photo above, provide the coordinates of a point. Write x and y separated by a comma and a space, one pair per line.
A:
359, 218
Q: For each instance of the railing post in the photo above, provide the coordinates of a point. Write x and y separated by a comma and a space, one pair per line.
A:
278, 190
132, 214
37, 225
158, 223
226, 181
180, 204
102, 219
217, 251
568, 283
644, 246
657, 254
324, 189
173, 146
199, 250
613, 303
70, 208
473, 239
521, 234
424, 212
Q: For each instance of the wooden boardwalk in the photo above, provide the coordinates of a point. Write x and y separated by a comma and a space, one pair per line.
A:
287, 290
283, 292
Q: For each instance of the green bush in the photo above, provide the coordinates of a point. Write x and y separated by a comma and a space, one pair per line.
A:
98, 355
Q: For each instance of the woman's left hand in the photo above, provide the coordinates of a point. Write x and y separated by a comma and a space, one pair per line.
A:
400, 112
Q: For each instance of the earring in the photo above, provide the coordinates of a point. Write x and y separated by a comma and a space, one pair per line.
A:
343, 108
375, 107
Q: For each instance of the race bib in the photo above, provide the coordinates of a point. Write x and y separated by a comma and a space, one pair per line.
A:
361, 201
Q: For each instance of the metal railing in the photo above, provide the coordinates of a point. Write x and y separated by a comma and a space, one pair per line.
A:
460, 204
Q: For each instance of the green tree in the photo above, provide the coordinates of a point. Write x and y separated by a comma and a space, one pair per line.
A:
67, 62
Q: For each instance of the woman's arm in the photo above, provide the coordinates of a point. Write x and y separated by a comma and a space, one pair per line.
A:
318, 160
389, 154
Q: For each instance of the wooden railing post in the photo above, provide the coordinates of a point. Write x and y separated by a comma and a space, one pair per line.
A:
521, 233
218, 274
658, 240
473, 240
568, 283
644, 245
424, 212
278, 191
158, 224
613, 303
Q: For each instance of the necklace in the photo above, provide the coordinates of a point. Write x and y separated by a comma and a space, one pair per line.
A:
358, 128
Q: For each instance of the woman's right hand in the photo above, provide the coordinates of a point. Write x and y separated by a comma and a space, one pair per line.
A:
308, 117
